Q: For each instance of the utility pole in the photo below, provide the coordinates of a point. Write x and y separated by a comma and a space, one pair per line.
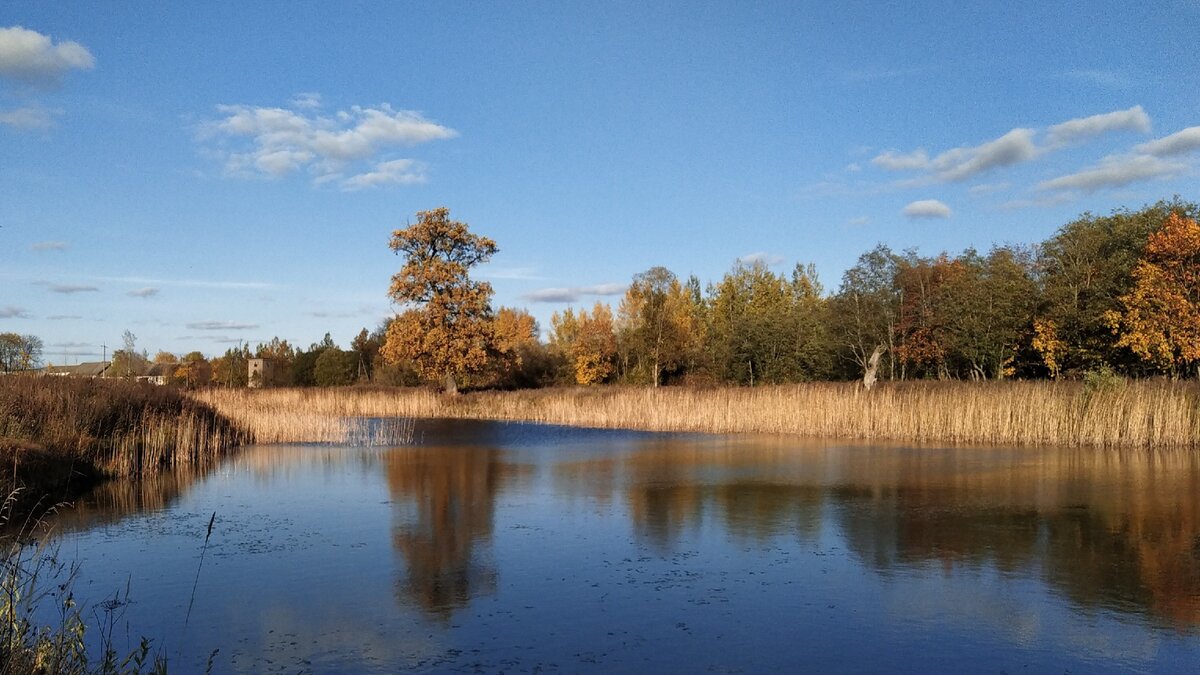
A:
103, 352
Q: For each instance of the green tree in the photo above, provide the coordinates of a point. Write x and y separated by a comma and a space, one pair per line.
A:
864, 314
654, 324
335, 368
988, 309
446, 332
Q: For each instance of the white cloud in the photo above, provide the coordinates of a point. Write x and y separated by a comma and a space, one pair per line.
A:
67, 289
859, 221
927, 208
306, 100
29, 57
11, 312
573, 294
30, 118
147, 292
897, 161
277, 142
1115, 171
1015, 147
1082, 128
962, 163
760, 257
49, 246
394, 172
1178, 143
221, 325
63, 317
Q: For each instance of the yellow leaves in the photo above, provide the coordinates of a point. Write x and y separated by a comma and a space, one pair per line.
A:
1048, 345
587, 342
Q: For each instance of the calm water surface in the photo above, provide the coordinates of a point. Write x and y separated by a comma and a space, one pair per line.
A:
521, 548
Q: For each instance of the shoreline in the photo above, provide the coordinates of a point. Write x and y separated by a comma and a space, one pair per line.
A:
1133, 414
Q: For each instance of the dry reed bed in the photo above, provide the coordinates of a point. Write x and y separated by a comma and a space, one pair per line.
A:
1128, 414
112, 428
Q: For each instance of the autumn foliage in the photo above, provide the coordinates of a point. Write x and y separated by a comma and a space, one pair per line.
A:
446, 332
1159, 319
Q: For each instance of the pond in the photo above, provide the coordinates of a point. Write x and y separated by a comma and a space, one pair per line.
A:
487, 546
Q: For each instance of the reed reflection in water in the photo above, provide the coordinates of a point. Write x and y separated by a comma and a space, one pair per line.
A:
513, 546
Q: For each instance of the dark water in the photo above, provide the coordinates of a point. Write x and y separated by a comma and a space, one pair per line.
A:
508, 547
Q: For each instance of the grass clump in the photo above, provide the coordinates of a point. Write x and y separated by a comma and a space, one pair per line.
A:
35, 582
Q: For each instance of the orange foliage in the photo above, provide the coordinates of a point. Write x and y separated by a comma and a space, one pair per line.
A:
1160, 317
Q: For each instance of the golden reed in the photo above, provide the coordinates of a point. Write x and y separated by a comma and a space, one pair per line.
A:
1151, 413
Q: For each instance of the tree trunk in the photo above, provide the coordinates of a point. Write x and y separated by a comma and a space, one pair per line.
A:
870, 373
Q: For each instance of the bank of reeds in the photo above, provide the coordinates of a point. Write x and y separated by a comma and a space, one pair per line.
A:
1105, 414
58, 431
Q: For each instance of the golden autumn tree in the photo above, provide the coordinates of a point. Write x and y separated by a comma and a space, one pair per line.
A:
446, 332
1159, 319
595, 346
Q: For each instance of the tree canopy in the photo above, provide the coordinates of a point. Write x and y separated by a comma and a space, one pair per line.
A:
446, 332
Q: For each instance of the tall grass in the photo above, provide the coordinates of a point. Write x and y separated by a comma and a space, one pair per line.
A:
55, 431
1152, 413
33, 580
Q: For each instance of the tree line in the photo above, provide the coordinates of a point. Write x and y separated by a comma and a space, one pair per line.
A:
1116, 294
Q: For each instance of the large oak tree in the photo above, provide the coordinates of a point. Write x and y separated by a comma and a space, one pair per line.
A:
446, 330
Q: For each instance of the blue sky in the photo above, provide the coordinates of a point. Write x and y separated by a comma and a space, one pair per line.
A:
207, 174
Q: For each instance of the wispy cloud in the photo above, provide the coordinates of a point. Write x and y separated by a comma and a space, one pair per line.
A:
1102, 78
514, 273
760, 257
277, 142
189, 283
1015, 147
927, 208
147, 292
12, 312
1083, 128
394, 172
49, 246
1041, 201
573, 294
67, 289
1115, 171
29, 57
221, 325
71, 345
987, 188
30, 118
1178, 143
859, 221
63, 317
965, 162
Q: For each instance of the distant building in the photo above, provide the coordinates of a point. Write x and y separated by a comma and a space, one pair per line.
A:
265, 373
159, 373
87, 369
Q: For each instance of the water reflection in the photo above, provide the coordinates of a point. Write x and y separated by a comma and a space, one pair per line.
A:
445, 501
483, 517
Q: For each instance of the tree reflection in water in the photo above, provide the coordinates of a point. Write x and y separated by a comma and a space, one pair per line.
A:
445, 500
